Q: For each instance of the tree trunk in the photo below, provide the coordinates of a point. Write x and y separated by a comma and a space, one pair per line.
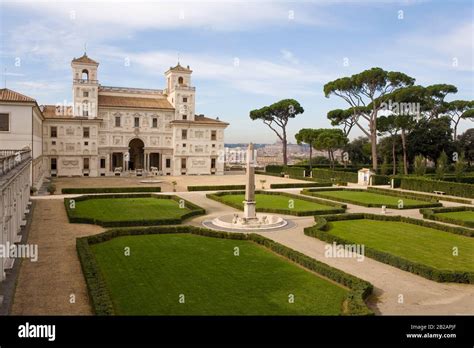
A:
373, 140
404, 147
285, 159
394, 158
455, 129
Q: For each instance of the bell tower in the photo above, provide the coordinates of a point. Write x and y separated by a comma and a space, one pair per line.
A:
85, 86
180, 93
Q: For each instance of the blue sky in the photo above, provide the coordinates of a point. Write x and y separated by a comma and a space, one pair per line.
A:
284, 50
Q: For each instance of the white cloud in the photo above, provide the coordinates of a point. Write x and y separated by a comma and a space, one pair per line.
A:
251, 75
289, 56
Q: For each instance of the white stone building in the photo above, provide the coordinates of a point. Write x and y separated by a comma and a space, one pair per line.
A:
21, 120
117, 129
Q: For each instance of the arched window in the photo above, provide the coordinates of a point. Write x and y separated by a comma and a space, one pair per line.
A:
180, 80
85, 74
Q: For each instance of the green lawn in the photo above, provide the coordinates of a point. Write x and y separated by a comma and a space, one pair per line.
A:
277, 202
128, 209
212, 279
364, 198
415, 243
466, 215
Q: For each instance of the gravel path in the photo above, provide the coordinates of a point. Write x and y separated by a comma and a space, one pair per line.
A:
45, 287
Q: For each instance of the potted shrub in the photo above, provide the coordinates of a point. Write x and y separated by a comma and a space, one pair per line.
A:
33, 190
174, 183
51, 188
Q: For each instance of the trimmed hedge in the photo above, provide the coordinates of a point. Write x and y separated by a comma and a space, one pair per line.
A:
319, 230
276, 169
295, 172
301, 184
338, 208
334, 175
102, 304
80, 190
314, 193
216, 187
432, 214
380, 179
195, 210
428, 185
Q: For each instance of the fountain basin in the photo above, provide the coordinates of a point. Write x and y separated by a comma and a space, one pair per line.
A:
238, 222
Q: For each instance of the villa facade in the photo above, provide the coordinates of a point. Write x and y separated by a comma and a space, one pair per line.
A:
111, 130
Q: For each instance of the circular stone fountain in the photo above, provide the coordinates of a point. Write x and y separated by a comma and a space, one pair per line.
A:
249, 220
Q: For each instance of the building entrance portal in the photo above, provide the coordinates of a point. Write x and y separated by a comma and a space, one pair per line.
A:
155, 160
137, 154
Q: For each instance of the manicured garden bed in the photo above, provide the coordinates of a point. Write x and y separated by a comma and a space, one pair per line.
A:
280, 202
370, 199
462, 216
130, 210
438, 252
168, 262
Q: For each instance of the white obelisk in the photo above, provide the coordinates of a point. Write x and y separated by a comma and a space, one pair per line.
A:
249, 203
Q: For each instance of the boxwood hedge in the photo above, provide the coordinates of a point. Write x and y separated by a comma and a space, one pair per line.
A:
334, 175
194, 210
81, 190
428, 185
216, 187
321, 228
102, 304
301, 184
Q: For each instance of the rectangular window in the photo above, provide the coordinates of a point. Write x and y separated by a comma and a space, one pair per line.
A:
86, 143
136, 122
54, 165
184, 144
85, 94
185, 100
213, 163
184, 134
85, 113
168, 163
185, 117
54, 132
213, 135
183, 163
86, 163
155, 123
4, 122
117, 121
86, 132
102, 163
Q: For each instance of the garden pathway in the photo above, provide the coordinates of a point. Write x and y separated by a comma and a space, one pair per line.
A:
44, 287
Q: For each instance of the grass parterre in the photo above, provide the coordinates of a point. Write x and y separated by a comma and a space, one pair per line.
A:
371, 199
462, 216
280, 202
201, 267
438, 252
130, 210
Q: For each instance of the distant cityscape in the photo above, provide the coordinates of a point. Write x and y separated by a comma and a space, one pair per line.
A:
271, 154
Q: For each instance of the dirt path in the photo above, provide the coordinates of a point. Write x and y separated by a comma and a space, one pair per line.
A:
44, 287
